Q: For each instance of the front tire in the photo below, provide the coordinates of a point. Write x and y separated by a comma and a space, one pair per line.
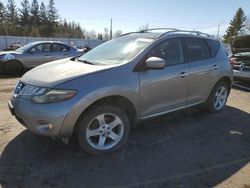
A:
13, 68
102, 130
218, 98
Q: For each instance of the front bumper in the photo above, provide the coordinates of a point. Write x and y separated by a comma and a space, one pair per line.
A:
241, 75
44, 120
53, 120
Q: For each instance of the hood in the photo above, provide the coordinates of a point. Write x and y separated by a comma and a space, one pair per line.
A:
9, 52
60, 71
246, 54
8, 55
241, 44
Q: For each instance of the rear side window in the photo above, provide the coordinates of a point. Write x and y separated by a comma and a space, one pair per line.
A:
60, 48
213, 46
197, 49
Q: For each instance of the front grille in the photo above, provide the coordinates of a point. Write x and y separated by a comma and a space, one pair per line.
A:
242, 65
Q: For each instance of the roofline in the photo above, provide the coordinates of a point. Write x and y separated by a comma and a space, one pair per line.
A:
47, 41
172, 31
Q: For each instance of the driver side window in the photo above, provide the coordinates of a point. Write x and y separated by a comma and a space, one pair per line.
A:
170, 50
41, 48
37, 48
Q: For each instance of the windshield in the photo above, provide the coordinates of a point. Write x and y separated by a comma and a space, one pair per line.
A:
25, 48
117, 51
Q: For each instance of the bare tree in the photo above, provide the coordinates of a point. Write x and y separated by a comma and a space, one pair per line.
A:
106, 34
143, 27
117, 33
91, 34
247, 25
2, 13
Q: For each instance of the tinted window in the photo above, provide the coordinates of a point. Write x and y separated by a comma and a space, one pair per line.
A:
46, 48
171, 51
197, 49
60, 48
41, 48
213, 46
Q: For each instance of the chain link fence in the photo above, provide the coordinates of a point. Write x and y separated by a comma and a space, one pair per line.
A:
6, 41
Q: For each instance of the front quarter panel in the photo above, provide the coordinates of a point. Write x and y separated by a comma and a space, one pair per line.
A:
119, 81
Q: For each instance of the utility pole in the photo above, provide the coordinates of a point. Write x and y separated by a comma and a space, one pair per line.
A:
111, 32
218, 32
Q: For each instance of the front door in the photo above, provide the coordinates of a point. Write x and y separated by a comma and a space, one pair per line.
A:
38, 55
165, 89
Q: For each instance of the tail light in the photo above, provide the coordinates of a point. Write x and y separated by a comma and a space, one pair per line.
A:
232, 61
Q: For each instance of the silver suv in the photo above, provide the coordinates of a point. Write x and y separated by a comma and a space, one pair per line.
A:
100, 95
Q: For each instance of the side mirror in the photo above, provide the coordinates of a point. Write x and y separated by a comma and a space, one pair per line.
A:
155, 63
31, 51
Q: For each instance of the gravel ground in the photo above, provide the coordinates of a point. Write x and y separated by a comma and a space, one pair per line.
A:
189, 148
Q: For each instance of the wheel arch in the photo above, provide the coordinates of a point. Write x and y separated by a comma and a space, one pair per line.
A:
115, 100
13, 60
226, 80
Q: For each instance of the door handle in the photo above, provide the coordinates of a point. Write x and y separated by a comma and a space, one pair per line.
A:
183, 74
216, 67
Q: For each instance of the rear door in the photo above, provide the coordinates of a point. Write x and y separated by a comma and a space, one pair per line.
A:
59, 51
165, 89
201, 69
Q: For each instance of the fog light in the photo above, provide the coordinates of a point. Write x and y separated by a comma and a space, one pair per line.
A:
45, 126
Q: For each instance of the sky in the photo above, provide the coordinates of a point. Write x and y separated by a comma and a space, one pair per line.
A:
129, 15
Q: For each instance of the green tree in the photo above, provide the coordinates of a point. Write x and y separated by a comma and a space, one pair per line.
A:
2, 19
24, 15
11, 13
79, 32
52, 17
34, 13
236, 25
2, 13
52, 12
43, 21
43, 14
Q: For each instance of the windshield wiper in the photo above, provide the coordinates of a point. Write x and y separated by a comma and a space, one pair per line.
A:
85, 61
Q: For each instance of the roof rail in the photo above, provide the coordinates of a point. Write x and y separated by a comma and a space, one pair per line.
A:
198, 33
160, 28
171, 30
129, 33
152, 29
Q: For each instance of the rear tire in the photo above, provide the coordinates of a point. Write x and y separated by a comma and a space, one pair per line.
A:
13, 68
218, 98
102, 130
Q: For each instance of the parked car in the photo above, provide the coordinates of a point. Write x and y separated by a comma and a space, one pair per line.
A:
34, 54
100, 95
241, 57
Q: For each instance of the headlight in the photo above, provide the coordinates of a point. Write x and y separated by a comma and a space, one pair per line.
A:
2, 56
54, 95
7, 57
